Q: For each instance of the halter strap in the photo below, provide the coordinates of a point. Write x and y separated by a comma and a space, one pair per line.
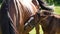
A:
32, 22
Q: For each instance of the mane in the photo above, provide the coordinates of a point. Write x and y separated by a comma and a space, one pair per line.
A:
5, 24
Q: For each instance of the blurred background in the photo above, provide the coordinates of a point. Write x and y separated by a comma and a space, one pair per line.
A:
56, 4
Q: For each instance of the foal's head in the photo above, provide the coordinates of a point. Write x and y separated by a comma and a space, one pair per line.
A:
44, 13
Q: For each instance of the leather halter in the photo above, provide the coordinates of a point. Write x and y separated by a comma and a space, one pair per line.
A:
33, 21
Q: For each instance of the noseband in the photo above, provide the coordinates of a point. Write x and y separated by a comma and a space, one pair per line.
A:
33, 21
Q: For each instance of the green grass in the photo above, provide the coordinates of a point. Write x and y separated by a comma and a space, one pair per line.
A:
34, 32
0, 5
56, 11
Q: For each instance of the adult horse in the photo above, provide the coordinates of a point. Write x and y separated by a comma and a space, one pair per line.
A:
16, 13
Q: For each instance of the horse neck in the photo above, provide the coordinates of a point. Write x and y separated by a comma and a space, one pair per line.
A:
25, 10
46, 21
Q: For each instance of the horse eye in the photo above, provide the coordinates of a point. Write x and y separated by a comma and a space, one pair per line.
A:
46, 13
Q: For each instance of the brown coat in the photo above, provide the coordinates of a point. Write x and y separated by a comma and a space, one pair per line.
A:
50, 23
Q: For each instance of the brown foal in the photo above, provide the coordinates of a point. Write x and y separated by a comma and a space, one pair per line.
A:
50, 22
